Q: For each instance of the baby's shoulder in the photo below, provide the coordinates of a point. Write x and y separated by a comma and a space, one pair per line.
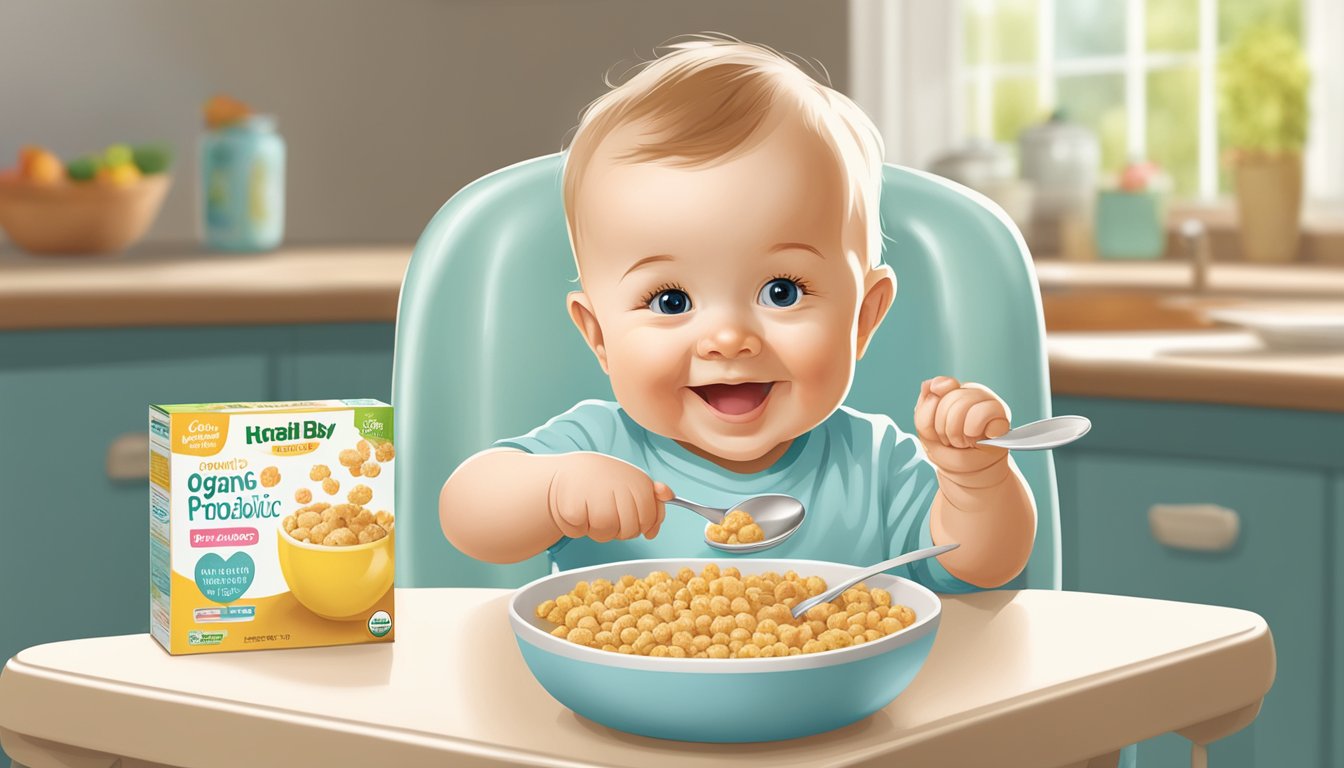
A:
855, 424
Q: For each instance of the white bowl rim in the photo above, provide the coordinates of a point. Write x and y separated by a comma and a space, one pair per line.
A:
545, 641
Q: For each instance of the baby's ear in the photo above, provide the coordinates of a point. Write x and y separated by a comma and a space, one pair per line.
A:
585, 319
879, 291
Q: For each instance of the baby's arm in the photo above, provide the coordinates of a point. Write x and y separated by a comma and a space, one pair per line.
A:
504, 505
982, 503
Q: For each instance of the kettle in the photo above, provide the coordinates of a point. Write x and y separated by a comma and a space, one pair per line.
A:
989, 168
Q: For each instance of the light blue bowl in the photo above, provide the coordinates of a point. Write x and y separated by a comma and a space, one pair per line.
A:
724, 700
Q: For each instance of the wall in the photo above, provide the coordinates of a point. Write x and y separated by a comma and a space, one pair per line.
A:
388, 107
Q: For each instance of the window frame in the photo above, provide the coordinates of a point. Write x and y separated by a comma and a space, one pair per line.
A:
906, 58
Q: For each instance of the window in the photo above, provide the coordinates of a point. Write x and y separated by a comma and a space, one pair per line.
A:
1139, 73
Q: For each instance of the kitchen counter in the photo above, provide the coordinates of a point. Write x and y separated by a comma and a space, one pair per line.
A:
185, 286
351, 284
1229, 367
1174, 276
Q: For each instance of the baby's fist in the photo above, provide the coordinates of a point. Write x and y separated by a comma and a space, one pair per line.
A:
605, 498
952, 418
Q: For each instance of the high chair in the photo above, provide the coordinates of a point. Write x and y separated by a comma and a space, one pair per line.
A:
485, 348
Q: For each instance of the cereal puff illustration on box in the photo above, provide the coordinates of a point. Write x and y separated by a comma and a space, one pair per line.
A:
723, 209
271, 524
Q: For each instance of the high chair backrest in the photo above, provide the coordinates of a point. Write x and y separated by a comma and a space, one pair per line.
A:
485, 348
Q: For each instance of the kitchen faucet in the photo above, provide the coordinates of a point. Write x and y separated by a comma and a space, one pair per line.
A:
1195, 241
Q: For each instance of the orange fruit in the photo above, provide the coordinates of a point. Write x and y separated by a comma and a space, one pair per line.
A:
40, 166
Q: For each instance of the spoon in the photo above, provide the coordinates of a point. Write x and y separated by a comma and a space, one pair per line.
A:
1043, 434
834, 592
778, 515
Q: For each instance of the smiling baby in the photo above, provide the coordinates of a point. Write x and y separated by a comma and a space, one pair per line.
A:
723, 210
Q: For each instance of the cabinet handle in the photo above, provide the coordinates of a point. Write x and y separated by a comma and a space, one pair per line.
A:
1196, 527
128, 457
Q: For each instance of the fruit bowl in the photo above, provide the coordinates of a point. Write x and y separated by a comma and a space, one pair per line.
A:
79, 218
724, 700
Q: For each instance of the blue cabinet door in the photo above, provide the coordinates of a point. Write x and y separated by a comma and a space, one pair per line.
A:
1277, 568
74, 552
337, 361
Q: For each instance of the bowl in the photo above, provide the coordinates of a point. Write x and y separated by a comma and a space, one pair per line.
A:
340, 583
724, 700
80, 217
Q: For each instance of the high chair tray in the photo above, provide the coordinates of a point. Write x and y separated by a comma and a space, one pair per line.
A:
1094, 672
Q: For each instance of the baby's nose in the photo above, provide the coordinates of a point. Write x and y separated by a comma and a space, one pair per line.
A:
727, 342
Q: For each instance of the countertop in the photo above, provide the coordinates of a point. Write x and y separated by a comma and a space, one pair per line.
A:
454, 690
166, 286
185, 286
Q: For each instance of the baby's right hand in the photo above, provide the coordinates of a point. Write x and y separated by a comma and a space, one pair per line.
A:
604, 498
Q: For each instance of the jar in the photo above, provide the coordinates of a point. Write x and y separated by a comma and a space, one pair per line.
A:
1061, 160
243, 186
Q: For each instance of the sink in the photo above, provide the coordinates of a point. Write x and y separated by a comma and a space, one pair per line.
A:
1281, 324
1117, 310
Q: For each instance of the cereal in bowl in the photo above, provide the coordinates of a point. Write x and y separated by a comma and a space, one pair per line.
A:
719, 614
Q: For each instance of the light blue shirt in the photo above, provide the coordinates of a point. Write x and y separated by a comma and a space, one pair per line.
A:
866, 485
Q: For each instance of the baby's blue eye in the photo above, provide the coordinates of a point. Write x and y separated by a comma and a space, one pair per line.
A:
780, 292
671, 302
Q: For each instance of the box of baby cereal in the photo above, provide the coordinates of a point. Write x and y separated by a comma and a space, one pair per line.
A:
271, 524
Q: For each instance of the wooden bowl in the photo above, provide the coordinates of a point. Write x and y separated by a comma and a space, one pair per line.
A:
80, 217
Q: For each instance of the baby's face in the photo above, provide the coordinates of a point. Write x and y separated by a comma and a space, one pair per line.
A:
719, 299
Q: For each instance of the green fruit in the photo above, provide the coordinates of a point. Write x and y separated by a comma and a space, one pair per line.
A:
118, 154
82, 169
153, 158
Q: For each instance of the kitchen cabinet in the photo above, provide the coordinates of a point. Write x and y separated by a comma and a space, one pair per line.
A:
1277, 475
73, 541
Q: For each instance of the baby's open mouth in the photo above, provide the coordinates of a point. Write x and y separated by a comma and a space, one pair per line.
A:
734, 399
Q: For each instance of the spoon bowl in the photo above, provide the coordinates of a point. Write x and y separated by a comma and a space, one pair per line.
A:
1042, 435
778, 515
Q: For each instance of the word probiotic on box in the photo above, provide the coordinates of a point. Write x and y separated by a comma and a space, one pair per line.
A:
271, 524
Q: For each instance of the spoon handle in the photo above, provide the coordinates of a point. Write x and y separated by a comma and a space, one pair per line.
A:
907, 558
712, 514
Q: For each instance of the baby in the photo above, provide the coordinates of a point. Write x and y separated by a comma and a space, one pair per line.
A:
723, 210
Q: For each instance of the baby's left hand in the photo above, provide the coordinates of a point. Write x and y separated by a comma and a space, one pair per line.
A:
951, 418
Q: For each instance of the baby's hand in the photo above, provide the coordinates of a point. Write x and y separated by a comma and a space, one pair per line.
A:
951, 418
604, 498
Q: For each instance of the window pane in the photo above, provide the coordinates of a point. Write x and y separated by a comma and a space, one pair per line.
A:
1014, 107
1234, 16
1089, 28
1173, 25
1173, 126
1098, 102
1000, 31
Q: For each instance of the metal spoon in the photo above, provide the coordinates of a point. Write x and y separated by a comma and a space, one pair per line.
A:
1043, 434
778, 515
834, 592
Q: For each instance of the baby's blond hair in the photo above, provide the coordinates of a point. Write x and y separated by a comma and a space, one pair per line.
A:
704, 101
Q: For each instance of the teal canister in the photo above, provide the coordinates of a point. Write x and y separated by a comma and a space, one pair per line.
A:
243, 186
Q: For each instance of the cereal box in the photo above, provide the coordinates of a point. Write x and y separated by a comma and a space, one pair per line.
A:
271, 524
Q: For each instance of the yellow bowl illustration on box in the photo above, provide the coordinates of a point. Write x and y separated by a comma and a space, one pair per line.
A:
337, 582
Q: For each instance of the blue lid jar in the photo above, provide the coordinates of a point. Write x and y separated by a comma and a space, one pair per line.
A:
242, 186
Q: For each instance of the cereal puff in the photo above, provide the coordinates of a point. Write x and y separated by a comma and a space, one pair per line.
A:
371, 469
303, 495
319, 472
384, 452
331, 485
361, 494
270, 477
350, 458
365, 450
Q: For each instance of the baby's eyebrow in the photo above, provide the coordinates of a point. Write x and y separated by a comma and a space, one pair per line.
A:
799, 246
647, 260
